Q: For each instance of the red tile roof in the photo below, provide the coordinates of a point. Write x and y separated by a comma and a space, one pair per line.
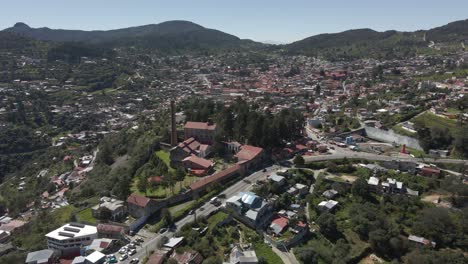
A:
199, 125
155, 179
138, 200
188, 257
215, 177
248, 152
157, 257
204, 163
110, 228
280, 221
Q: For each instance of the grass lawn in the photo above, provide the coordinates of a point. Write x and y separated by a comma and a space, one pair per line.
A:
86, 215
432, 120
216, 218
160, 191
357, 245
164, 156
264, 251
400, 130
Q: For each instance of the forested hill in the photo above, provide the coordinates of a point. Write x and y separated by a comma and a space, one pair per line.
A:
166, 36
453, 32
361, 43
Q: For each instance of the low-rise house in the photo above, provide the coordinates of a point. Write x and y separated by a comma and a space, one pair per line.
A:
392, 186
330, 194
278, 224
158, 256
329, 205
373, 183
111, 231
301, 188
174, 242
421, 240
95, 258
187, 257
277, 179
239, 256
139, 206
249, 208
13, 226
45, 256
109, 208
4, 236
429, 171
100, 244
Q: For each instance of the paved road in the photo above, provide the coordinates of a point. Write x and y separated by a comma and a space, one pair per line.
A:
370, 156
242, 185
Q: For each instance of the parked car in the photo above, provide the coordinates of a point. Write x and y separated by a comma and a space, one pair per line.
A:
162, 230
134, 261
191, 212
123, 257
132, 252
139, 239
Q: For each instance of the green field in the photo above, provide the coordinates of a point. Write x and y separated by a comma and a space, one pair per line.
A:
164, 156
264, 251
431, 120
86, 215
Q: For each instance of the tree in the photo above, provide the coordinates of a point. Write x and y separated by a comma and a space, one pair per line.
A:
299, 161
359, 188
306, 255
327, 224
341, 252
166, 217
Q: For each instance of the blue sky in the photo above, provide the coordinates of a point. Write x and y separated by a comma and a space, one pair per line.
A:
276, 20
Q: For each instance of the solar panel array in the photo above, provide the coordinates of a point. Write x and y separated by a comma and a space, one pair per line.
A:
77, 225
65, 234
71, 229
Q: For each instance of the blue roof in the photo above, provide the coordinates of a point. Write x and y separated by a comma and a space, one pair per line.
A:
248, 198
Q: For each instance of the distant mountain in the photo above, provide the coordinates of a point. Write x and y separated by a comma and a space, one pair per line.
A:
171, 35
452, 32
16, 44
360, 43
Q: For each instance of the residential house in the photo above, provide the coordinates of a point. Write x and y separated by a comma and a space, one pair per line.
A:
277, 179
110, 208
239, 256
111, 231
329, 205
330, 194
278, 224
187, 257
45, 256
429, 171
139, 206
421, 240
250, 209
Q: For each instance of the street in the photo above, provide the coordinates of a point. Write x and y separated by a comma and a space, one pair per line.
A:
244, 184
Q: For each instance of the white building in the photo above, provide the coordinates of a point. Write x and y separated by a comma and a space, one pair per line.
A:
70, 238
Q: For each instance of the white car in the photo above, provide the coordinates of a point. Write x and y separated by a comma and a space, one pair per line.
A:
123, 257
123, 250
132, 252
